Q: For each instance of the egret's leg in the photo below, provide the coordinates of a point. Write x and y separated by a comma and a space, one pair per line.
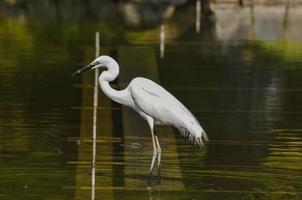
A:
154, 152
151, 124
158, 158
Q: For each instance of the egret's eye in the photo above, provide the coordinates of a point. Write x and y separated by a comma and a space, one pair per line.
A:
95, 63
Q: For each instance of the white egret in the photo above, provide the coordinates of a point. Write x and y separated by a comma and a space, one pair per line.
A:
155, 104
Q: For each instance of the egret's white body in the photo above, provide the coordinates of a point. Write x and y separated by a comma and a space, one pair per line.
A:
153, 100
155, 104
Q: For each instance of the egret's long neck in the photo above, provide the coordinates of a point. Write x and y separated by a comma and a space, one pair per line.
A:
119, 96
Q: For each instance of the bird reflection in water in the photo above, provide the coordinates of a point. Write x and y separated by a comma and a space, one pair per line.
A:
155, 194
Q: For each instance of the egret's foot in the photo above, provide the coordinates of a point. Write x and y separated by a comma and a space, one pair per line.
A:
158, 177
149, 181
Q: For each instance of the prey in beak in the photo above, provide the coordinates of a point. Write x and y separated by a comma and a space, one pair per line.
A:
86, 68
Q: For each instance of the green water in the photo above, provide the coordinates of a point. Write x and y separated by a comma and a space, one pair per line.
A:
245, 91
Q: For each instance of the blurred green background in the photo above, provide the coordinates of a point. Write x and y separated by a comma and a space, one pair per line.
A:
235, 65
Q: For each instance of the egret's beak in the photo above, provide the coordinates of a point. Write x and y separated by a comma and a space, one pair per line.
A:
86, 68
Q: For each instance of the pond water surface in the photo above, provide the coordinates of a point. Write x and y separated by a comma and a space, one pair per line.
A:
241, 79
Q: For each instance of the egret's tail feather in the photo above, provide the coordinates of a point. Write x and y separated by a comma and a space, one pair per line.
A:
193, 139
204, 136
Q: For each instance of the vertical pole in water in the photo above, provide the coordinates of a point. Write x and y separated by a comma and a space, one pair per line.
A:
95, 106
285, 21
198, 11
252, 22
162, 41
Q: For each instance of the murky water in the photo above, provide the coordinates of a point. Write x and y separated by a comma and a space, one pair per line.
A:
241, 79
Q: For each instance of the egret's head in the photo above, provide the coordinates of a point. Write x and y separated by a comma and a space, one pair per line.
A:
101, 61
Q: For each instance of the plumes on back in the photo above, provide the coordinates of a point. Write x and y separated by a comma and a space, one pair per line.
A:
156, 102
